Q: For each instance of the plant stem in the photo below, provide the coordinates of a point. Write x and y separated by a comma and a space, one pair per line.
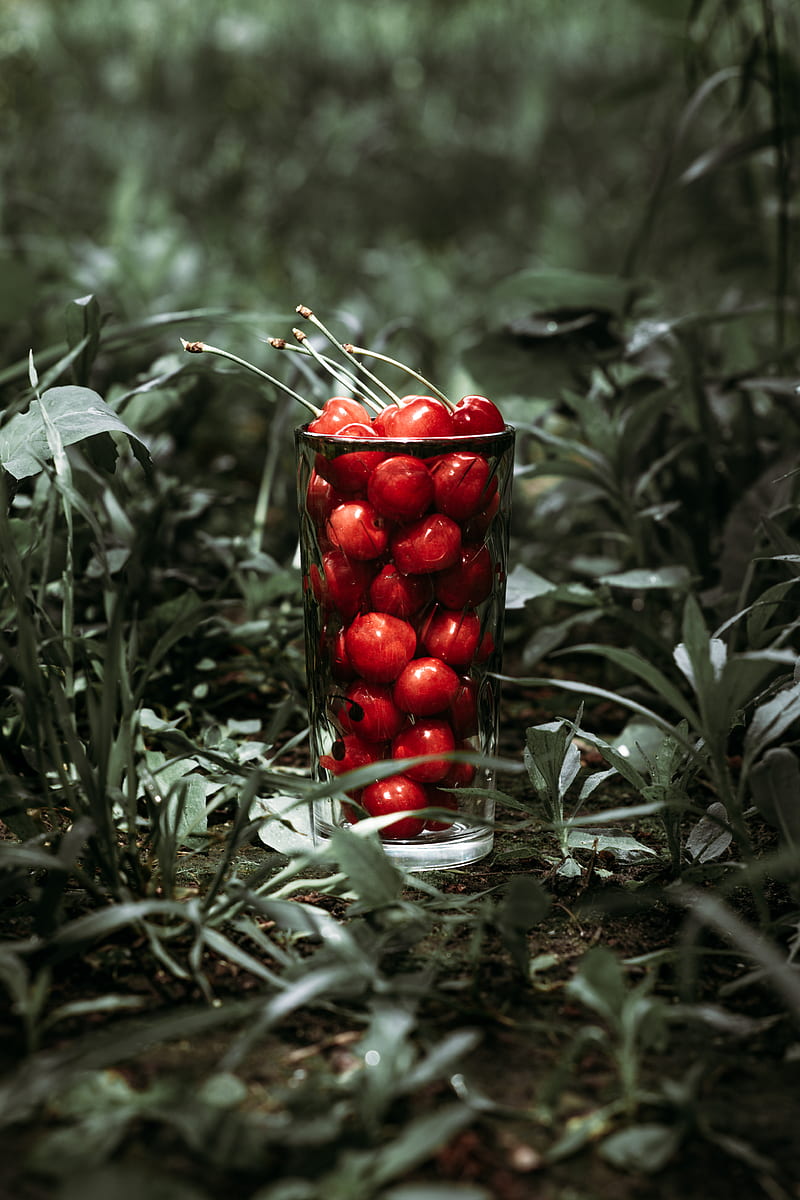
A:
347, 350
393, 362
341, 374
204, 348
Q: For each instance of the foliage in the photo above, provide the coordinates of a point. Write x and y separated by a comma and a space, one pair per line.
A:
638, 331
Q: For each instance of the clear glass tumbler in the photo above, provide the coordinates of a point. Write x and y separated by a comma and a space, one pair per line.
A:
404, 549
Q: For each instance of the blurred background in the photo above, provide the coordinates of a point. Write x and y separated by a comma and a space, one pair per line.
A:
391, 160
397, 166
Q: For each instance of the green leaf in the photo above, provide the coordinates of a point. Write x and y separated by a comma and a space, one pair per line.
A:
672, 578
636, 665
646, 1148
775, 785
76, 413
711, 836
370, 873
771, 720
600, 984
523, 585
419, 1140
538, 290
623, 847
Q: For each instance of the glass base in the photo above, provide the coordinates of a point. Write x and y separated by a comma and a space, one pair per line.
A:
455, 847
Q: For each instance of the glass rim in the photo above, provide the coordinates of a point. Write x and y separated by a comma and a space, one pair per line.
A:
500, 441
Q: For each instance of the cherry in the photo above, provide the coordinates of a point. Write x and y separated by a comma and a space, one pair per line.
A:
476, 414
464, 708
460, 774
476, 528
467, 582
379, 645
343, 584
347, 753
401, 487
451, 636
341, 667
432, 736
336, 412
460, 483
415, 417
396, 794
402, 595
430, 544
369, 710
350, 472
425, 687
321, 498
358, 530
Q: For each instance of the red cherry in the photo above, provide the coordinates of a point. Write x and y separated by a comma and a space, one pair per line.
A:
350, 472
321, 498
432, 736
401, 487
358, 530
451, 636
425, 687
476, 528
379, 645
334, 647
336, 412
417, 417
460, 774
402, 595
460, 483
348, 753
430, 544
396, 794
369, 710
467, 582
464, 708
476, 414
343, 584
383, 421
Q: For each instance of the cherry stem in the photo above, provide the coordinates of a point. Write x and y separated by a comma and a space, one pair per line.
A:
204, 348
393, 362
345, 349
367, 396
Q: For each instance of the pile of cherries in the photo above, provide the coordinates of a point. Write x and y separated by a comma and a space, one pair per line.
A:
403, 564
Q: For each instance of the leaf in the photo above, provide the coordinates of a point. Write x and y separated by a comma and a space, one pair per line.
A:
419, 1140
76, 413
672, 578
537, 290
523, 585
771, 720
623, 847
638, 743
370, 873
636, 665
600, 984
733, 151
775, 785
646, 1148
710, 837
